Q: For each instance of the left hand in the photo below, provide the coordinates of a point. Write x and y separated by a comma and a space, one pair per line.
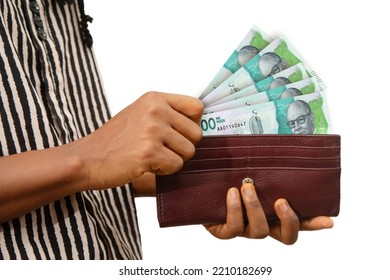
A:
286, 231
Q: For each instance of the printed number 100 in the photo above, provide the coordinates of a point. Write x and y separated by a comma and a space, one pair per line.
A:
210, 124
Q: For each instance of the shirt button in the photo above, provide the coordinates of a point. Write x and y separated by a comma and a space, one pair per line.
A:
34, 7
41, 34
38, 21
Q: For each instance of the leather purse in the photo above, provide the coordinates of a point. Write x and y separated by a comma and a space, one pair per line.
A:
304, 169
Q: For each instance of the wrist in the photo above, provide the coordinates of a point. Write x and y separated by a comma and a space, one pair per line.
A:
78, 162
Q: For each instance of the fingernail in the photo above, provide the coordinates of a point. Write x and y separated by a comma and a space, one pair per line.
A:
248, 189
283, 207
233, 193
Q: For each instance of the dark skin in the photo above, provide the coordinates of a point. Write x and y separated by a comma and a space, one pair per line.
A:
154, 135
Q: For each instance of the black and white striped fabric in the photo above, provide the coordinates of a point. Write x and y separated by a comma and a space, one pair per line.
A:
51, 94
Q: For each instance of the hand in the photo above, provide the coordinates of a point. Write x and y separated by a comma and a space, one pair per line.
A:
154, 134
286, 231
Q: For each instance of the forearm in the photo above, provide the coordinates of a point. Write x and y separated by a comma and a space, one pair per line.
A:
32, 179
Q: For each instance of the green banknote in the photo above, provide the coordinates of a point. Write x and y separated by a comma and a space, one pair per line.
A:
276, 57
298, 88
305, 114
290, 75
254, 41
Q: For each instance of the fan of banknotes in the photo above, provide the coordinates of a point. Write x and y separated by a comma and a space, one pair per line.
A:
265, 87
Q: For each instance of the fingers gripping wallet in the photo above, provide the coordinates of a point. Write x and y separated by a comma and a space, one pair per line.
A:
304, 169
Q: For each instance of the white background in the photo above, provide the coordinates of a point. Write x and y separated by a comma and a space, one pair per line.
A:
178, 46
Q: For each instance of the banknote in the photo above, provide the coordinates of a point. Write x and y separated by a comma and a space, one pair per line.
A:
290, 75
276, 57
254, 41
306, 86
305, 114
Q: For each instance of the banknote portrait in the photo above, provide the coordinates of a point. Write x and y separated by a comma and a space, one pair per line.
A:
290, 92
270, 63
279, 82
300, 118
246, 53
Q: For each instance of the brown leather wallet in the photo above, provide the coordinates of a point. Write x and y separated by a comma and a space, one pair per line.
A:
304, 169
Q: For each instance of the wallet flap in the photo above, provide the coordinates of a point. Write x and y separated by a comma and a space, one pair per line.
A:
304, 169
200, 197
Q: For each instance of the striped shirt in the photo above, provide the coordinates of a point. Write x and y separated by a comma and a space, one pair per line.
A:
51, 94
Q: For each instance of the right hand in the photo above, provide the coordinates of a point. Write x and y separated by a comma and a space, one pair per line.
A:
155, 134
285, 231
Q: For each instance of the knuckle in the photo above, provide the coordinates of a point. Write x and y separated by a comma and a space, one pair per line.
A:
253, 205
197, 134
198, 106
234, 207
152, 129
169, 166
147, 151
179, 162
190, 152
155, 110
260, 232
176, 164
235, 230
150, 95
290, 219
290, 242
